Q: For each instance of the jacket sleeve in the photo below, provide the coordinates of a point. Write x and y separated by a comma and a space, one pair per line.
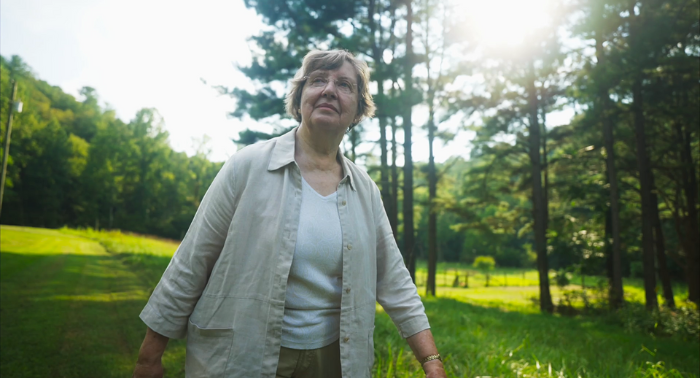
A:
395, 290
185, 278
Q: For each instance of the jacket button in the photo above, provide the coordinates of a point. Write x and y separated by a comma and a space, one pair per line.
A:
347, 290
349, 246
345, 340
344, 203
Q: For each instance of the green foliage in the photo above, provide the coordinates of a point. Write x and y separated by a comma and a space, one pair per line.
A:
682, 323
636, 269
73, 163
484, 263
562, 278
247, 136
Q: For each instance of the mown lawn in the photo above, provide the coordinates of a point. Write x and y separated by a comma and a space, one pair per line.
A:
70, 302
69, 308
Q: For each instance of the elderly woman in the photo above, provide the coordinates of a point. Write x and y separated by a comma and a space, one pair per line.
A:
289, 251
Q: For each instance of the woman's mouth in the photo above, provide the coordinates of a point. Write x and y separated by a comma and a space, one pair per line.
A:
328, 106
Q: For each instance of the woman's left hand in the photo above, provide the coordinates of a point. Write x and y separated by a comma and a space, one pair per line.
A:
434, 369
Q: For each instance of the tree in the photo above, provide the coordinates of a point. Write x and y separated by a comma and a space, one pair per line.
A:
485, 264
598, 26
516, 97
409, 99
293, 30
117, 175
434, 29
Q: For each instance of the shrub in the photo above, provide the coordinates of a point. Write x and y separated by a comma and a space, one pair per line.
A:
562, 278
485, 264
683, 322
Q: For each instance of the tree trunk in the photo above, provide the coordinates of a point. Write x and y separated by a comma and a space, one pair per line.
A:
432, 176
661, 256
608, 251
394, 215
691, 238
432, 215
378, 63
545, 165
408, 233
353, 143
546, 304
616, 289
384, 169
643, 165
645, 183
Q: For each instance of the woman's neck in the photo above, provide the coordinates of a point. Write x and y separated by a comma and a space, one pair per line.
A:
316, 151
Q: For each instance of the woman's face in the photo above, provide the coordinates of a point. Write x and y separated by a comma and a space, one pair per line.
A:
329, 98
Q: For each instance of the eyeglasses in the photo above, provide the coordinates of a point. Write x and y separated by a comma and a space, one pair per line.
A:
321, 81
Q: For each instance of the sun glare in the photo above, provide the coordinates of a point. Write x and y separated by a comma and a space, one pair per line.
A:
499, 24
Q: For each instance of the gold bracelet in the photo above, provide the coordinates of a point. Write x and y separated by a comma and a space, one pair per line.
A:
430, 358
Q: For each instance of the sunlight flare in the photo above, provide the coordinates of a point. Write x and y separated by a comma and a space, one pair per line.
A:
505, 24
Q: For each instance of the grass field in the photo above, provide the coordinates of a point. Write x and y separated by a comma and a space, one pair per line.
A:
70, 302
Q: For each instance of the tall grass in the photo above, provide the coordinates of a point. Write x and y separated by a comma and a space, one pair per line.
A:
481, 341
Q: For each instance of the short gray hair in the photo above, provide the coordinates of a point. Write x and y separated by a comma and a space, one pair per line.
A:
331, 60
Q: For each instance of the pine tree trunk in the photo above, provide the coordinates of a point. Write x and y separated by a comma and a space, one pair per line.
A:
353, 143
546, 304
384, 169
408, 232
378, 63
691, 238
432, 215
664, 276
645, 183
608, 250
616, 288
643, 164
545, 165
394, 215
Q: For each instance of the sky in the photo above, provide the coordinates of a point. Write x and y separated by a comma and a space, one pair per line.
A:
158, 54
140, 54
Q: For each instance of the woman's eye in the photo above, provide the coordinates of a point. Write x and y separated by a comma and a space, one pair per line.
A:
344, 84
318, 81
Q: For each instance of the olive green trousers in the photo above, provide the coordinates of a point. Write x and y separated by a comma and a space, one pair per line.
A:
314, 363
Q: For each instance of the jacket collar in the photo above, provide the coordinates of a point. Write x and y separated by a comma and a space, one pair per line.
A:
283, 154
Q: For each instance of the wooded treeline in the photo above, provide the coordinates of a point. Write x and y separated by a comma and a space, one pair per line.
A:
613, 192
74, 163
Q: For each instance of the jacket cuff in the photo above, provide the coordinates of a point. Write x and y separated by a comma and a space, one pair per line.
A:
413, 326
155, 321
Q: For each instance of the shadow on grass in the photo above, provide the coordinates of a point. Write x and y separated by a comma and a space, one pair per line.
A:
75, 316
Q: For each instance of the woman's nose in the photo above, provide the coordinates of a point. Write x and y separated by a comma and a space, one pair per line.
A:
329, 90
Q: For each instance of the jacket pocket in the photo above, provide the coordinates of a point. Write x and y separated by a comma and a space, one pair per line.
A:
208, 351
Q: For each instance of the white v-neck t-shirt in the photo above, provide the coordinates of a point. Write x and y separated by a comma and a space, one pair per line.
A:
312, 305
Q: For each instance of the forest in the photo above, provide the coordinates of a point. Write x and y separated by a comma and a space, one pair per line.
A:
612, 193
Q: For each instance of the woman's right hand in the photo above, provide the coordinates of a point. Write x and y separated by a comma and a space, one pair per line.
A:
150, 363
148, 370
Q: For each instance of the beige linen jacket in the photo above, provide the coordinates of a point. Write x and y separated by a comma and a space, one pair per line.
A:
225, 286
